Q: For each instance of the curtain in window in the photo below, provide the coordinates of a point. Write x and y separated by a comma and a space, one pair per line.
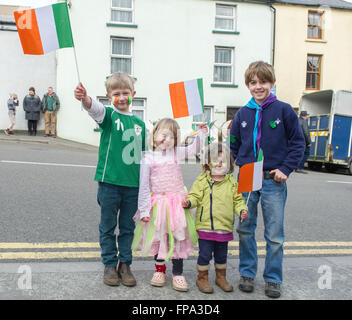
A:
224, 24
120, 46
222, 74
222, 56
121, 16
121, 65
122, 3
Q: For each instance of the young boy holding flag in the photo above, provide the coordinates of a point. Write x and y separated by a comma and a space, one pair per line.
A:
271, 125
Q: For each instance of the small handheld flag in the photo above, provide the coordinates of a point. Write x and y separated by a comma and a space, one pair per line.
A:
187, 98
251, 175
44, 29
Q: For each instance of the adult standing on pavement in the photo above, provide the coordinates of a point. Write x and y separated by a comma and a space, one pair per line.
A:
12, 103
31, 105
50, 106
304, 125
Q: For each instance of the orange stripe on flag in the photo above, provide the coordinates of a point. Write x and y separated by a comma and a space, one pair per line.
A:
178, 100
28, 31
245, 181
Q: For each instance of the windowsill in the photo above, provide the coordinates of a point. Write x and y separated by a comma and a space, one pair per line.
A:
226, 32
124, 25
223, 85
316, 40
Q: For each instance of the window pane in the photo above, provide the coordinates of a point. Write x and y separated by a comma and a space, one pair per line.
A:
310, 18
224, 11
310, 32
121, 64
138, 114
223, 56
222, 74
122, 3
121, 16
138, 103
121, 46
104, 101
204, 117
226, 24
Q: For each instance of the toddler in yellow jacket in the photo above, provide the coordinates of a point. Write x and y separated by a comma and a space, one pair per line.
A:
214, 193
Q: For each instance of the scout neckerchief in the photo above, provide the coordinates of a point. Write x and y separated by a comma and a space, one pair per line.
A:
257, 131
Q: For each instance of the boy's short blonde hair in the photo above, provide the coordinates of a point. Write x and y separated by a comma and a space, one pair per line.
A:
264, 71
166, 123
213, 151
119, 80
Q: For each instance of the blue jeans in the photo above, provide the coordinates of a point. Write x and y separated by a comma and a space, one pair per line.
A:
117, 204
208, 247
305, 157
273, 199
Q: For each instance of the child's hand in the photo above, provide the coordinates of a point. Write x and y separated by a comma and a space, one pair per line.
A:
185, 203
244, 214
81, 95
146, 219
203, 127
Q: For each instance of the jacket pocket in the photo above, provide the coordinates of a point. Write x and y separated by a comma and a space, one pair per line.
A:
201, 214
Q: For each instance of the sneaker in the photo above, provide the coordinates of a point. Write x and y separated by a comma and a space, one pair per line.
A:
125, 275
159, 276
272, 289
6, 131
46, 135
179, 283
246, 284
110, 276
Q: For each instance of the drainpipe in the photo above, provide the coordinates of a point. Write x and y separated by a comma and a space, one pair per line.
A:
274, 31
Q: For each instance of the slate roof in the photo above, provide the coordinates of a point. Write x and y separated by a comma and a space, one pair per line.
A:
339, 4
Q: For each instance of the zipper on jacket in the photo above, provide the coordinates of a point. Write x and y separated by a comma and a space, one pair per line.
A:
211, 205
201, 214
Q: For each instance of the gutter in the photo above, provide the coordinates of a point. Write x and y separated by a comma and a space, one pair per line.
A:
274, 32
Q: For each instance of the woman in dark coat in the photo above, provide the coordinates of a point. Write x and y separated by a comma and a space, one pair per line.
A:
31, 105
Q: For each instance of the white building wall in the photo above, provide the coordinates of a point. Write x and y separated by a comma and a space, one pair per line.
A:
173, 42
18, 72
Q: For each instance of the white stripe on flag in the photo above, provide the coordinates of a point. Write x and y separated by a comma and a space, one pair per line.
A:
258, 176
47, 28
193, 98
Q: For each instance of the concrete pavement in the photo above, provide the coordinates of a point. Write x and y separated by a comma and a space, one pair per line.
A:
305, 278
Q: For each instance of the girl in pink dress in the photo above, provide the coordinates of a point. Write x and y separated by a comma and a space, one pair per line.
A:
164, 228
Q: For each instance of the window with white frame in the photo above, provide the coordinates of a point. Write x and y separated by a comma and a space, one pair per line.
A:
138, 108
206, 116
225, 17
121, 55
122, 11
223, 66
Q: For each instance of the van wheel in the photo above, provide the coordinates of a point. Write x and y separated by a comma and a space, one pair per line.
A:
316, 166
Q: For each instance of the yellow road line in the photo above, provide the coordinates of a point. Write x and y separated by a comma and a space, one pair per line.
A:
95, 245
96, 254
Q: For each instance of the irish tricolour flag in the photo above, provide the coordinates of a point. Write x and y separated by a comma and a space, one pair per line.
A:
251, 175
187, 98
44, 29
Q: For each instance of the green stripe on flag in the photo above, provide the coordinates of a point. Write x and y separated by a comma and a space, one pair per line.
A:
63, 25
201, 93
260, 155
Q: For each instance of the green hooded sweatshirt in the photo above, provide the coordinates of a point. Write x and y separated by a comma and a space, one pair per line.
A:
216, 202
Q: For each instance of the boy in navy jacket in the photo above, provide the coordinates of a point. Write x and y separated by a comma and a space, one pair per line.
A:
271, 125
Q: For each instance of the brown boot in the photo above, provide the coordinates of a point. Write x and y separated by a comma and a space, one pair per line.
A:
110, 276
125, 275
202, 281
220, 279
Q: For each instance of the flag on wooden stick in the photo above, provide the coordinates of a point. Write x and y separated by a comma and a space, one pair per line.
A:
44, 29
251, 175
187, 98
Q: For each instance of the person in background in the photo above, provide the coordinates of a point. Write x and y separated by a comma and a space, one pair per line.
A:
31, 105
50, 106
304, 125
12, 103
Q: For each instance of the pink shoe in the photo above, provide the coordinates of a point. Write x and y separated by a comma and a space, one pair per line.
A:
179, 283
159, 276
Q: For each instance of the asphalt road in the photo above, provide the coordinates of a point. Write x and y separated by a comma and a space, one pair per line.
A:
54, 203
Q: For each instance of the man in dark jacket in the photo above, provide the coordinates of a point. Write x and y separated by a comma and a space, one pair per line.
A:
304, 125
31, 105
50, 106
